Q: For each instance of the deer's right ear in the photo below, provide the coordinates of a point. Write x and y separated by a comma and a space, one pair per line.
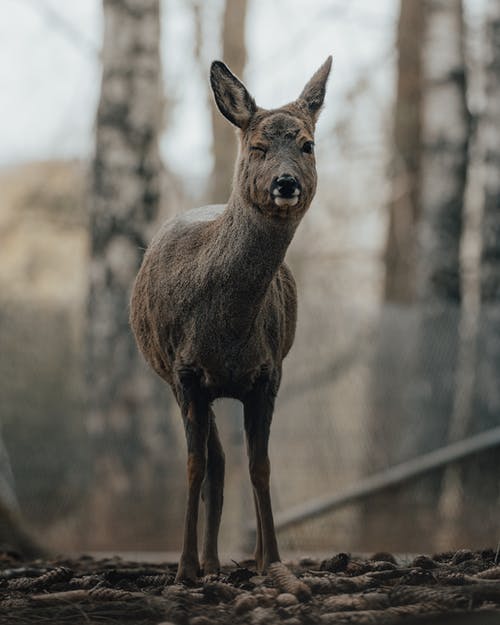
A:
231, 95
313, 93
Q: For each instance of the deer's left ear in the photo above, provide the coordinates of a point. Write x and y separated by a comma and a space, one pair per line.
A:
231, 95
313, 93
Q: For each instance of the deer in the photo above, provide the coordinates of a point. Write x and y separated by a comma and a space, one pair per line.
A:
214, 305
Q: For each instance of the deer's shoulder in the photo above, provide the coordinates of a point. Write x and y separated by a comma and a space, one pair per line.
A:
200, 214
183, 232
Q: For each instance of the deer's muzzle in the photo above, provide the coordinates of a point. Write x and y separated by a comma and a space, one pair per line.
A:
285, 190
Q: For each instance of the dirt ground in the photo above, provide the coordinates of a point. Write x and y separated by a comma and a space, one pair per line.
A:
456, 588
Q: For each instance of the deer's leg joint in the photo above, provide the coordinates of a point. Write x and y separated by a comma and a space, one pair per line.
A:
260, 471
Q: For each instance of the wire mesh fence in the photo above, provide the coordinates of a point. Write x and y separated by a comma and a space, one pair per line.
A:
362, 392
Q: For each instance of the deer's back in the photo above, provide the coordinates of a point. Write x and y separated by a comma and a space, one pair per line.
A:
184, 315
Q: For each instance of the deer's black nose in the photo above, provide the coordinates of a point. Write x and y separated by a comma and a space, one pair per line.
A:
285, 186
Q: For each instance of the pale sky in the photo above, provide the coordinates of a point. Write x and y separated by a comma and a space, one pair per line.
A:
50, 75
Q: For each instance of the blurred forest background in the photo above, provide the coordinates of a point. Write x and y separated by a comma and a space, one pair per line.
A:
108, 127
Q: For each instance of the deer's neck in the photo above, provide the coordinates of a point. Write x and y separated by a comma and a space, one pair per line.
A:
248, 251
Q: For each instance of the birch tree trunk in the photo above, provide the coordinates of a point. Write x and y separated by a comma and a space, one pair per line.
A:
490, 137
481, 475
234, 55
391, 370
414, 371
128, 406
445, 135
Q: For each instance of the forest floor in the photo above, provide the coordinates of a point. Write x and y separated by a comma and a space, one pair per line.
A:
456, 588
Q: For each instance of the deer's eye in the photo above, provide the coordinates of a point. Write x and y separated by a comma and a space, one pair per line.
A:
308, 147
259, 149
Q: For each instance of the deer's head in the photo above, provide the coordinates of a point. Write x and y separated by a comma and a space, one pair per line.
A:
276, 168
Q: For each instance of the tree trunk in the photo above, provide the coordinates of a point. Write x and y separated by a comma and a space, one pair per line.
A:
128, 406
397, 320
445, 135
394, 353
234, 55
481, 475
404, 209
415, 363
225, 146
490, 136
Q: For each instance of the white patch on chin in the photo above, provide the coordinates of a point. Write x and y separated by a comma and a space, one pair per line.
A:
286, 201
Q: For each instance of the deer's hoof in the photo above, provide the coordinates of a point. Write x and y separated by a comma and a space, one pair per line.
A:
187, 572
210, 565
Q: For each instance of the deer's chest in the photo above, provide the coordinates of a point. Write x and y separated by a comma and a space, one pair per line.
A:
230, 351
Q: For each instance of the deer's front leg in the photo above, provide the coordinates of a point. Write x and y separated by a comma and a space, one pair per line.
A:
212, 494
259, 406
195, 414
258, 534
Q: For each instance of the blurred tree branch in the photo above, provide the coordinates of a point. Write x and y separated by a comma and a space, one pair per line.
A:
66, 28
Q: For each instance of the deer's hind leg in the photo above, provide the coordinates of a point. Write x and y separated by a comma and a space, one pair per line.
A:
257, 554
213, 494
195, 408
258, 412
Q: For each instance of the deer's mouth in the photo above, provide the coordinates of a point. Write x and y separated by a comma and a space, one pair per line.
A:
285, 207
285, 200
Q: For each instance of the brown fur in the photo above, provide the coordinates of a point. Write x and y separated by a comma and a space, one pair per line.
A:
213, 307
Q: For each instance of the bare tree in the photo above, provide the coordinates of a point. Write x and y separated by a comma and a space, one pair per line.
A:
404, 212
234, 54
490, 137
127, 409
225, 148
393, 356
481, 476
414, 372
445, 137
